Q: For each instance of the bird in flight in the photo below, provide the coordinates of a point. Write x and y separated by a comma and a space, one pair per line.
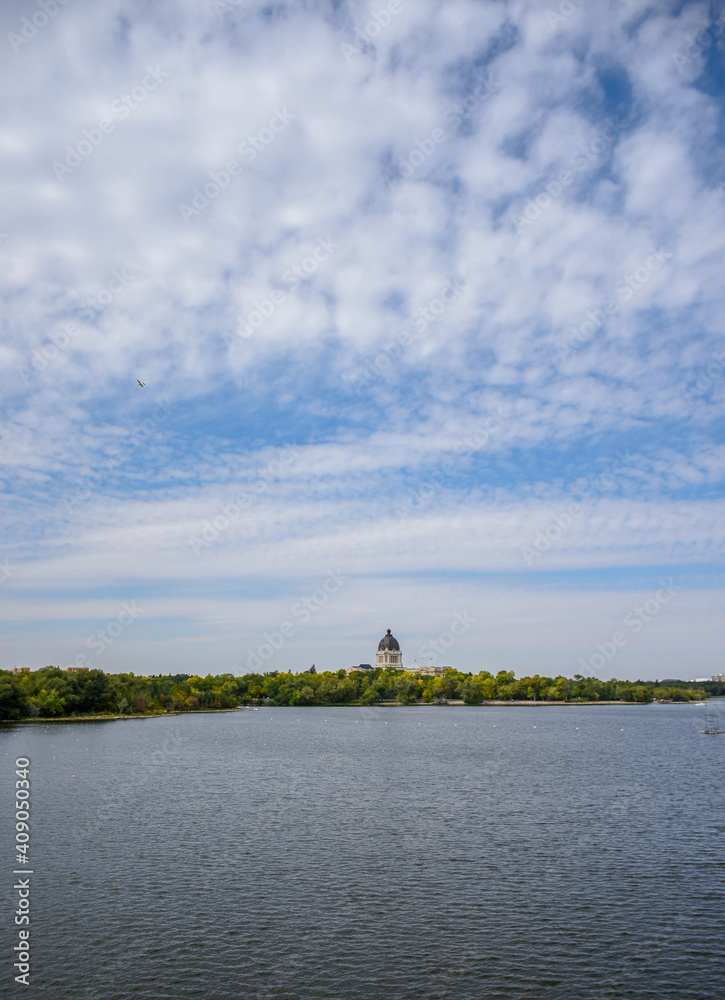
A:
142, 384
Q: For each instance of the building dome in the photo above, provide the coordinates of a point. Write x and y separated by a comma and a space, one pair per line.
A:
388, 641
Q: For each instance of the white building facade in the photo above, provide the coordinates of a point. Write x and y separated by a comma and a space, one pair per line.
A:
389, 654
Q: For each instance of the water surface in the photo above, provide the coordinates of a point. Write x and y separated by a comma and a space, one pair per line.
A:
395, 854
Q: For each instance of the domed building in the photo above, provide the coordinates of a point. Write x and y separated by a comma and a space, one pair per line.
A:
389, 654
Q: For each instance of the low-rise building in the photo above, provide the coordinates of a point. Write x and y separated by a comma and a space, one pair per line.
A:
21, 670
360, 666
430, 671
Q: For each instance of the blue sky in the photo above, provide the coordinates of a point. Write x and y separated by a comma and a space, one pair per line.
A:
428, 302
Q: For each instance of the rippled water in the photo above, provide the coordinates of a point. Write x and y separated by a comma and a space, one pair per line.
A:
419, 853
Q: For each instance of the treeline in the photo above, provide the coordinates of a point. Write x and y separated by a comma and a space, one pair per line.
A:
52, 692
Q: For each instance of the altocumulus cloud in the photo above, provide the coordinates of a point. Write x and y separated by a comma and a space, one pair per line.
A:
206, 149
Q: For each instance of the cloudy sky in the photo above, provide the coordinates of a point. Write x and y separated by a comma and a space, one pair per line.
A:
427, 298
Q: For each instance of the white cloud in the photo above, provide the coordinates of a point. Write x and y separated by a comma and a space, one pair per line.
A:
324, 177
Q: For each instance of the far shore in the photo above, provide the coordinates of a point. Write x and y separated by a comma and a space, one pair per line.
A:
118, 718
378, 704
484, 704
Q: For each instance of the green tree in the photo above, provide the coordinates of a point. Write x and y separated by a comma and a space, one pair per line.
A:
472, 691
406, 690
451, 683
306, 696
369, 696
49, 702
11, 698
93, 691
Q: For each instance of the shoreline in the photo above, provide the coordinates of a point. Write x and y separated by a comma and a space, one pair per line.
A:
452, 703
495, 704
117, 718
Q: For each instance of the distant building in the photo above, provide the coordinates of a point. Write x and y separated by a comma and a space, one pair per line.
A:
21, 670
431, 671
360, 666
389, 654
390, 657
75, 670
718, 677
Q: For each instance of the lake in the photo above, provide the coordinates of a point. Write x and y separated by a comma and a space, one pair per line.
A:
392, 853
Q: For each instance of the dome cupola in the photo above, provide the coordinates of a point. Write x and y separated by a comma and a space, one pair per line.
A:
388, 641
389, 654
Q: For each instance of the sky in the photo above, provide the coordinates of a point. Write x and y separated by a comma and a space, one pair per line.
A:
427, 302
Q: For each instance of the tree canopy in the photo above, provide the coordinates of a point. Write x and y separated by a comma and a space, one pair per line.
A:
51, 692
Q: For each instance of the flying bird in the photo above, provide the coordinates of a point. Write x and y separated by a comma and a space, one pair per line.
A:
142, 384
